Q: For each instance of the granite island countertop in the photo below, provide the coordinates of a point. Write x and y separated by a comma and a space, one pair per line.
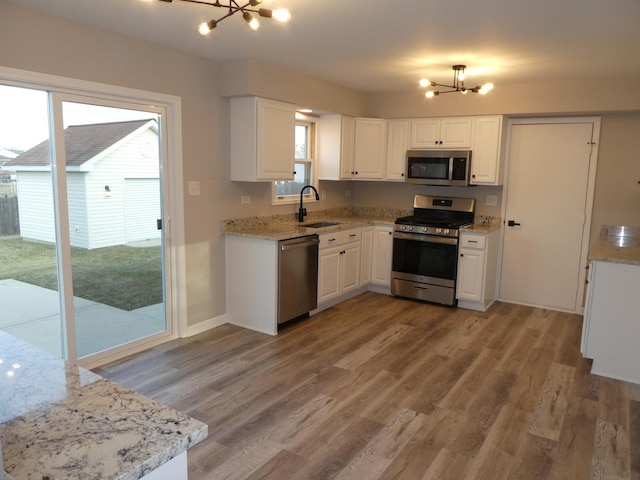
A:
284, 227
62, 422
617, 244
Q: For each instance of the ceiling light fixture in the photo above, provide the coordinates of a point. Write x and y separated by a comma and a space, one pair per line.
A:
281, 15
457, 86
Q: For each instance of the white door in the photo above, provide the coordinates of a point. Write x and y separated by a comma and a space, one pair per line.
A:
548, 201
141, 209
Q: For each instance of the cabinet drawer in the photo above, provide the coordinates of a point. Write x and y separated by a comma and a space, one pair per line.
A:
472, 241
340, 237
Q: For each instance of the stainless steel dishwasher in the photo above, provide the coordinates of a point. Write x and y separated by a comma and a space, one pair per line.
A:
297, 277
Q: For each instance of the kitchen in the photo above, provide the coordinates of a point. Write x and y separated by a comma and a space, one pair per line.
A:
204, 87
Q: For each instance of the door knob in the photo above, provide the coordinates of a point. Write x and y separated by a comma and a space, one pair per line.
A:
511, 223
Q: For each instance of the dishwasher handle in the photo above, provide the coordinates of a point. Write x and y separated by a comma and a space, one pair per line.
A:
292, 246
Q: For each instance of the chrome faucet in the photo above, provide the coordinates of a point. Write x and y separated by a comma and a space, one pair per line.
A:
302, 212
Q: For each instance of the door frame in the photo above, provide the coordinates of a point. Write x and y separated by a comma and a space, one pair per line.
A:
174, 234
591, 182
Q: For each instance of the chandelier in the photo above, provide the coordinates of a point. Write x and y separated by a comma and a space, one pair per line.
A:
457, 86
232, 6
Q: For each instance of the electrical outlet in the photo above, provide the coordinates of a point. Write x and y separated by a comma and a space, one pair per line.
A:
323, 194
347, 193
492, 200
245, 199
194, 188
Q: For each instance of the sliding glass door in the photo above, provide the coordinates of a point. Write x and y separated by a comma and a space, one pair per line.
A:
29, 295
90, 210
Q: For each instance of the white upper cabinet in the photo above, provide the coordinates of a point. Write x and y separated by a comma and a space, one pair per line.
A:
486, 150
262, 140
397, 146
370, 149
335, 147
447, 132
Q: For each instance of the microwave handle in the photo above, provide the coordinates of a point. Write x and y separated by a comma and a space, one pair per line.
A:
450, 168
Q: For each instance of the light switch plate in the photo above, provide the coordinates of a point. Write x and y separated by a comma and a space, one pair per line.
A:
492, 200
194, 188
245, 199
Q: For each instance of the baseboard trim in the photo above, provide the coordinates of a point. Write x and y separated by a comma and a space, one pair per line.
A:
205, 325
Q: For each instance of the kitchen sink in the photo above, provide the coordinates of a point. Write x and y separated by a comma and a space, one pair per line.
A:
320, 224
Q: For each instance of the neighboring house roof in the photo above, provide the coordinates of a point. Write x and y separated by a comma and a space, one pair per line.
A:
7, 155
82, 143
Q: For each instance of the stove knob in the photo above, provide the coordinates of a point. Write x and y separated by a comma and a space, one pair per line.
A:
438, 231
425, 229
446, 231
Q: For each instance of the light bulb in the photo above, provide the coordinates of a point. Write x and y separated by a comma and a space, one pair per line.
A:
206, 27
252, 22
429, 94
253, 3
486, 88
464, 91
282, 15
461, 75
424, 82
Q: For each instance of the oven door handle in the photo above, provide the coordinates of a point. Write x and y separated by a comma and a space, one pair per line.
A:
425, 238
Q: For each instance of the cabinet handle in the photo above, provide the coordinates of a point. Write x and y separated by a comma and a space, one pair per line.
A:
356, 173
402, 175
472, 241
390, 233
331, 240
294, 172
462, 254
352, 235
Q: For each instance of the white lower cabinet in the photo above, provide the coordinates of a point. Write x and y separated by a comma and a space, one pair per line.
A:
477, 265
611, 325
366, 255
338, 264
382, 255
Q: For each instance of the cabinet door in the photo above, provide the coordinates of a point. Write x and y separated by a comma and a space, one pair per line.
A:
370, 149
346, 148
329, 262
397, 146
470, 274
425, 133
350, 267
276, 132
366, 255
485, 150
455, 132
382, 255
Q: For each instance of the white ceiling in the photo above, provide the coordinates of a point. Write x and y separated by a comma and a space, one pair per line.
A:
387, 45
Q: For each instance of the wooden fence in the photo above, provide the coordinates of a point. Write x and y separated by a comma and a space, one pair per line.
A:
9, 220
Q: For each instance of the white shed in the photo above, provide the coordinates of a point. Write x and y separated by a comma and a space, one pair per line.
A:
113, 185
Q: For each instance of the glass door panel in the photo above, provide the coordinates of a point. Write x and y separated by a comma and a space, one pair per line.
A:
114, 194
30, 303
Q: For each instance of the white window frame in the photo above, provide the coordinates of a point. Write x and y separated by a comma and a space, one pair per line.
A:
308, 196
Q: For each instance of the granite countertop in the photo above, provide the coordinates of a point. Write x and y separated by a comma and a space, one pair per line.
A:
284, 227
617, 244
484, 224
59, 421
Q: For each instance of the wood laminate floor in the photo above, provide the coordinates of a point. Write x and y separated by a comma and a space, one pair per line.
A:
385, 388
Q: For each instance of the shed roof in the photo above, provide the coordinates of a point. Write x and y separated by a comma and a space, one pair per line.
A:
82, 143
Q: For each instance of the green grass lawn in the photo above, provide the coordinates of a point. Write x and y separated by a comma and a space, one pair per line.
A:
123, 277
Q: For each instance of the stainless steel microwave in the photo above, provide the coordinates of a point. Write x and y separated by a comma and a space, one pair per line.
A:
439, 167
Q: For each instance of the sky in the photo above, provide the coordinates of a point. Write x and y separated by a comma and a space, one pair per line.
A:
24, 119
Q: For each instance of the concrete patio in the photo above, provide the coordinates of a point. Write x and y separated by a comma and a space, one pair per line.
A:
32, 314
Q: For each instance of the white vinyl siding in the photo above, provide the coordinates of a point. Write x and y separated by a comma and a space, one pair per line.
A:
35, 206
78, 222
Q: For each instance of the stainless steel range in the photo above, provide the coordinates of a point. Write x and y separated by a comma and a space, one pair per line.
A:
425, 248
